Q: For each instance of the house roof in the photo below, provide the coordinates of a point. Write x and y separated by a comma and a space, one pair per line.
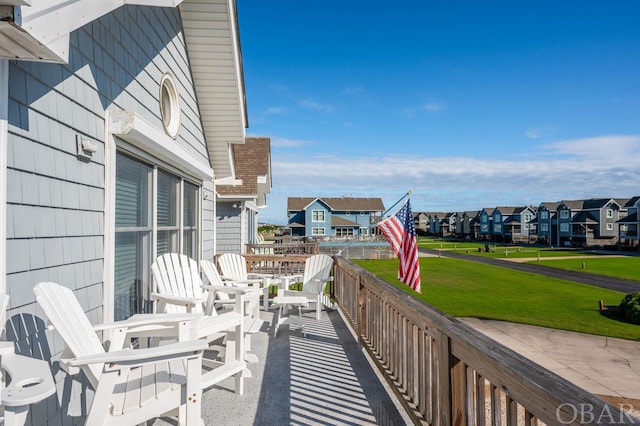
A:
583, 217
631, 202
340, 221
213, 43
338, 204
632, 218
253, 164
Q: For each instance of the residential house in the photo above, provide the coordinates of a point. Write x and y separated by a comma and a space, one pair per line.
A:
237, 203
485, 231
518, 224
547, 223
436, 223
589, 222
470, 224
628, 225
342, 217
421, 222
113, 123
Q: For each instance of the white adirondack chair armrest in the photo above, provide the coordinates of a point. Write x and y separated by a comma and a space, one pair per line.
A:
137, 357
291, 279
256, 274
229, 289
177, 300
7, 348
236, 281
145, 320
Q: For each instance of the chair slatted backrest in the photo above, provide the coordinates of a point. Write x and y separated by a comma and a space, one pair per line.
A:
233, 265
177, 275
211, 272
66, 315
316, 267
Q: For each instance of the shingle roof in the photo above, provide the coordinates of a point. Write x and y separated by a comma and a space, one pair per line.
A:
252, 159
340, 221
338, 204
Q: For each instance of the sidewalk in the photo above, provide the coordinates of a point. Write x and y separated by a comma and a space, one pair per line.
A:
600, 365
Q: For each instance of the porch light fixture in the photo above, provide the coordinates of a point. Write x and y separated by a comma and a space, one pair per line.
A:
169, 105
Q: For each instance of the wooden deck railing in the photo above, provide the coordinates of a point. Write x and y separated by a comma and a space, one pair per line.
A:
284, 248
446, 373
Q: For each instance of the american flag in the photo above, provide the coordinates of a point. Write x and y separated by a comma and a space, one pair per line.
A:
400, 231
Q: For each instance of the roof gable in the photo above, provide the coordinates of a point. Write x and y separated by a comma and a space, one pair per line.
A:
338, 204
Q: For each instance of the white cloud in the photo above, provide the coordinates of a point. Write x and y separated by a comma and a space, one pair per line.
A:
275, 110
288, 143
533, 134
434, 106
591, 167
316, 106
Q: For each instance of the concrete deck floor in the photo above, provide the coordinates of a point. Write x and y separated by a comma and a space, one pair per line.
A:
323, 379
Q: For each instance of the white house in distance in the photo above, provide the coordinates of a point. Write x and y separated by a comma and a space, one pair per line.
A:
117, 120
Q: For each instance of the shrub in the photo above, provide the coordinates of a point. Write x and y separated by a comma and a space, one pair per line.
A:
630, 308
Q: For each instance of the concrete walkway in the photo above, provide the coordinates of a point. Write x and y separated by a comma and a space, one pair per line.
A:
600, 365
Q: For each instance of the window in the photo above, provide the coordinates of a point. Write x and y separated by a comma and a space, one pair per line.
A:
564, 227
137, 240
544, 215
317, 230
544, 227
609, 226
609, 213
344, 232
528, 217
169, 105
497, 228
317, 216
564, 214
484, 228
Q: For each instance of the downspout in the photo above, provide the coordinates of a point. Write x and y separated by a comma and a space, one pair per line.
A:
4, 140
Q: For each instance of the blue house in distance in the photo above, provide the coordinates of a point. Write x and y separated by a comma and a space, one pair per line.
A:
343, 217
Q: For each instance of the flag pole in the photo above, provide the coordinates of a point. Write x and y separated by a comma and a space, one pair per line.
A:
397, 202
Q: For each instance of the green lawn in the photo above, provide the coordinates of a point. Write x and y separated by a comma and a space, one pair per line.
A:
619, 267
462, 288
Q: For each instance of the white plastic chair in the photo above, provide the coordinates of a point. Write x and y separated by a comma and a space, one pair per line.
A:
131, 385
179, 289
30, 378
233, 267
317, 273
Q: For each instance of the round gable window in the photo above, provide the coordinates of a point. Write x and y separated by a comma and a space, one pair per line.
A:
169, 105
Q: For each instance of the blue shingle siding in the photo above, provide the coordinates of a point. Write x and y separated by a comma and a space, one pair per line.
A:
55, 201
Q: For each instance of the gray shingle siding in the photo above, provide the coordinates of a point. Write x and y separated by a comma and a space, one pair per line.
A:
228, 228
55, 201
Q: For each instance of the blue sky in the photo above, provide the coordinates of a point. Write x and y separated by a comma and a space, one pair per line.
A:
469, 104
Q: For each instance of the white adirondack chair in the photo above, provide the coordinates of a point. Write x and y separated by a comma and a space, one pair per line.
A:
317, 273
253, 322
131, 385
30, 379
179, 289
233, 267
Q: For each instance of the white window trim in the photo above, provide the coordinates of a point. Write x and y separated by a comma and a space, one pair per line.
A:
4, 138
324, 215
152, 144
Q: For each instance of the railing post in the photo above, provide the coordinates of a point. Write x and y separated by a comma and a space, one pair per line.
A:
362, 309
443, 386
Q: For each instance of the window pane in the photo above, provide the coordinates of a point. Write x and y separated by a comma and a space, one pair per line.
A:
190, 204
132, 254
167, 242
190, 220
132, 192
167, 199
